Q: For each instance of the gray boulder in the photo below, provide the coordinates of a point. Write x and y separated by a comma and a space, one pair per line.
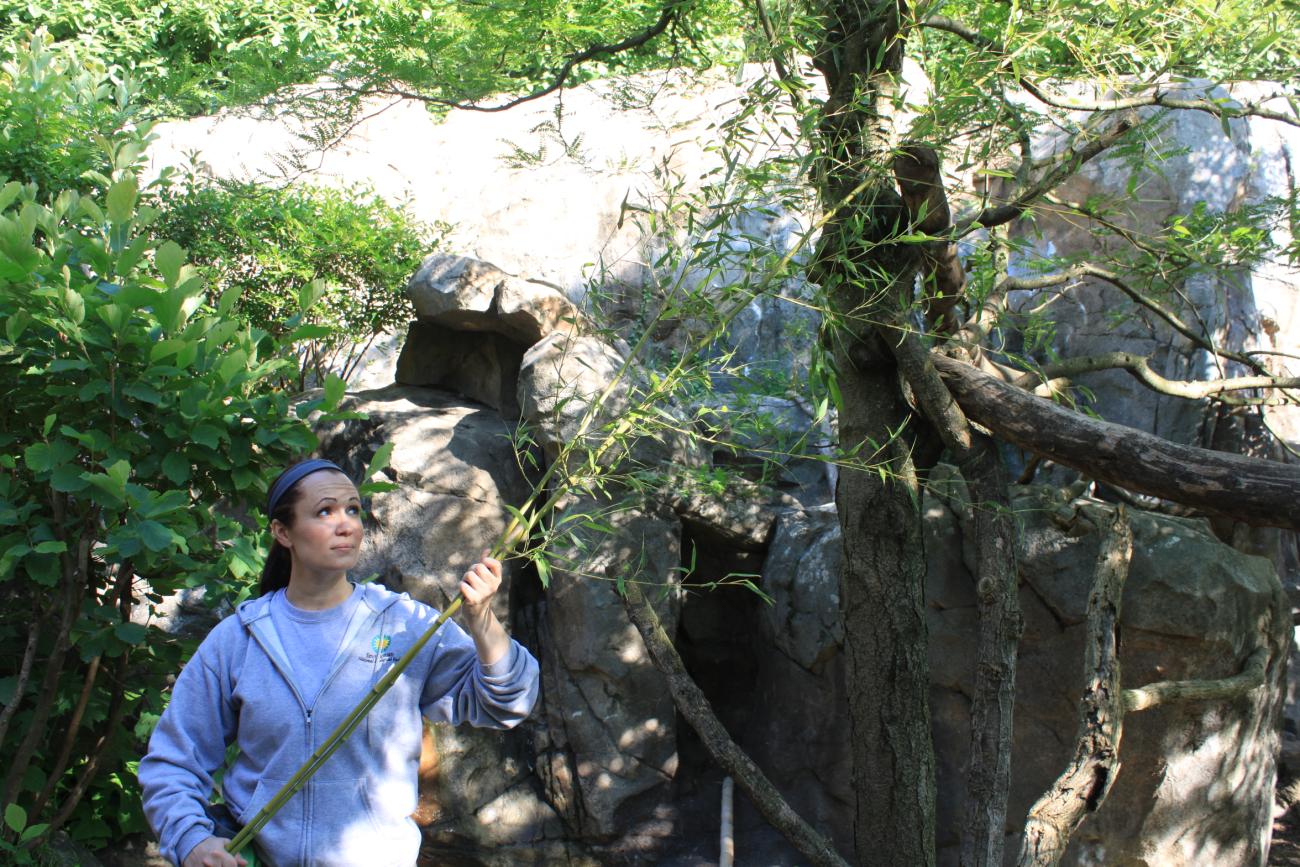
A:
465, 294
609, 734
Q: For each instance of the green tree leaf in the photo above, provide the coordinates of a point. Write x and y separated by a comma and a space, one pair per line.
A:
15, 818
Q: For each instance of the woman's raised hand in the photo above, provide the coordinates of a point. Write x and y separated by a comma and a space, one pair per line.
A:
477, 588
479, 585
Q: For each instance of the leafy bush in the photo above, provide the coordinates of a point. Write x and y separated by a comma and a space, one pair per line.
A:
345, 254
52, 104
134, 408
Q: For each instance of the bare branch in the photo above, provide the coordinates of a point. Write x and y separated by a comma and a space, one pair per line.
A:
666, 17
1167, 98
1087, 145
24, 672
1167, 691
1083, 786
1258, 492
1086, 269
1140, 367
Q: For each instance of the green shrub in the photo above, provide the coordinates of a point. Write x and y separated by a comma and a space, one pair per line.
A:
139, 419
347, 250
52, 106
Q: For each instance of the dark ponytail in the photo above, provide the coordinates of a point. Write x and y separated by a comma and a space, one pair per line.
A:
282, 498
279, 562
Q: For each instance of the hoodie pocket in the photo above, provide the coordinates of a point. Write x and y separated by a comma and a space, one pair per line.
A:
280, 841
350, 827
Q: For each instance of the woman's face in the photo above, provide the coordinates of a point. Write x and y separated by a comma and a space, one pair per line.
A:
326, 533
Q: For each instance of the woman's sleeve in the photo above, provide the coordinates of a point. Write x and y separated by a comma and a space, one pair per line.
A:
462, 689
185, 750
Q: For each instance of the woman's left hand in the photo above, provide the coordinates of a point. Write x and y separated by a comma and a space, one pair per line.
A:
479, 585
477, 588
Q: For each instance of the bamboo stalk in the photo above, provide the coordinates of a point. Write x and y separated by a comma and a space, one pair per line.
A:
340, 734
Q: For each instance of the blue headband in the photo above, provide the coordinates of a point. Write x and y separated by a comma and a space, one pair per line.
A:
291, 477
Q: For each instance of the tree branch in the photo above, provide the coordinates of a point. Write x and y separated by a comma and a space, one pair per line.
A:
666, 17
1083, 786
24, 672
1168, 691
1087, 269
1139, 366
1258, 492
1161, 99
1081, 149
694, 706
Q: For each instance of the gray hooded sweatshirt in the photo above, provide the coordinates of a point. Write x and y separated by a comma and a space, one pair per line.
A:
356, 810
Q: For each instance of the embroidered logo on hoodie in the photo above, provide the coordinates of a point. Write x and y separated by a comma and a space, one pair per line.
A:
379, 650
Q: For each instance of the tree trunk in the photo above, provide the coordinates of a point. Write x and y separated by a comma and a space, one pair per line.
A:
885, 641
864, 275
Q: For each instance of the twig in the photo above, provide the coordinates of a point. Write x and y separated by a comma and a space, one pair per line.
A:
1250, 677
24, 672
1139, 366
666, 17
1087, 269
1157, 97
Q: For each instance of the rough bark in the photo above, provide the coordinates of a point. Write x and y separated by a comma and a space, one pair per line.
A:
697, 711
863, 274
1258, 492
993, 701
1082, 787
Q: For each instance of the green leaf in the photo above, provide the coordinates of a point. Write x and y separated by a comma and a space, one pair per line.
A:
33, 832
379, 462
49, 423
39, 457
169, 259
130, 633
132, 255
15, 817
54, 547
206, 435
334, 390
121, 200
119, 472
144, 392
228, 300
154, 535
309, 294
176, 467
232, 364
8, 193
68, 479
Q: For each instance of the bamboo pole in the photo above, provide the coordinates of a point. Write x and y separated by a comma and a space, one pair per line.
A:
340, 734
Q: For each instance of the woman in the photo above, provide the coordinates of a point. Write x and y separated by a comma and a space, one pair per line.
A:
281, 674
